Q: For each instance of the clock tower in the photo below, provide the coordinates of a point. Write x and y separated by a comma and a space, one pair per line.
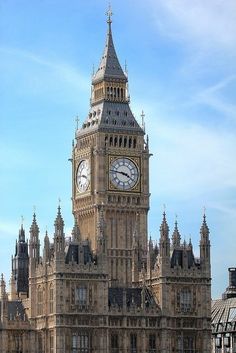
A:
111, 170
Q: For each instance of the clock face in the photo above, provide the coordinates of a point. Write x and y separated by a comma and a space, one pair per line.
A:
83, 176
124, 173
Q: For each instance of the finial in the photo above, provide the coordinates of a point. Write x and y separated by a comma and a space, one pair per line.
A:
143, 123
109, 14
164, 210
126, 68
77, 122
93, 70
22, 221
204, 213
59, 204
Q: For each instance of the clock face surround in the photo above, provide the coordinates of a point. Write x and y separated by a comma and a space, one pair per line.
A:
124, 173
83, 175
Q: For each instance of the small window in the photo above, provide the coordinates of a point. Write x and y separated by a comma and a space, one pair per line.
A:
81, 296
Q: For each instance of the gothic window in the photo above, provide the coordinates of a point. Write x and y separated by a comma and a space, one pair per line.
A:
115, 141
133, 343
120, 141
134, 143
51, 342
125, 141
184, 300
81, 295
130, 142
185, 344
81, 343
114, 343
152, 343
40, 300
51, 299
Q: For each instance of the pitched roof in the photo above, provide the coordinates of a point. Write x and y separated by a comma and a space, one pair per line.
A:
109, 67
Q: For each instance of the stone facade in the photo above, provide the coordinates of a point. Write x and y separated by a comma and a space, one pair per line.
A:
107, 288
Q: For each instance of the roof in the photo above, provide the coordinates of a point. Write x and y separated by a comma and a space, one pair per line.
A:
15, 310
133, 296
79, 253
223, 313
109, 67
111, 115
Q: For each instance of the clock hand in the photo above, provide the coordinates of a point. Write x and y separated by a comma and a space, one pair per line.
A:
84, 176
122, 173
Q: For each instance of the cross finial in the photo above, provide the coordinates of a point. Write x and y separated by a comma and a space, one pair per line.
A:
143, 116
109, 14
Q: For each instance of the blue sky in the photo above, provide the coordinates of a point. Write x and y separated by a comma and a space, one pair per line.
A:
181, 59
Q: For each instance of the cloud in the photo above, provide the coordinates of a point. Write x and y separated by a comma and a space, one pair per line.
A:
212, 23
192, 159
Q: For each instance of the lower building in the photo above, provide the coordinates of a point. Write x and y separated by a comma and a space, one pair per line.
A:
224, 318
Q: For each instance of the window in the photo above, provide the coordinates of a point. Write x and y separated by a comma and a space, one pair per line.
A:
184, 300
114, 343
133, 343
51, 300
185, 344
40, 301
81, 296
152, 343
51, 342
81, 343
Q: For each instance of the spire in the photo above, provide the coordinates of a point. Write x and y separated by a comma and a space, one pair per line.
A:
59, 223
164, 228
34, 226
75, 231
2, 287
204, 230
34, 244
22, 231
176, 236
109, 67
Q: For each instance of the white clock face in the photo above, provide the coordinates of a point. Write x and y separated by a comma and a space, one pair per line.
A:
83, 176
124, 173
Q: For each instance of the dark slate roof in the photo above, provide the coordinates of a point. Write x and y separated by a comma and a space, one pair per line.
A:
223, 315
109, 67
111, 116
133, 297
178, 255
79, 253
15, 310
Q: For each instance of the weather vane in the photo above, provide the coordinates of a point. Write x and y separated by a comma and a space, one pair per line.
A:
109, 14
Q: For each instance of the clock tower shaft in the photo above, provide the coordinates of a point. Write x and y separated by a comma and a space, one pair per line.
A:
111, 170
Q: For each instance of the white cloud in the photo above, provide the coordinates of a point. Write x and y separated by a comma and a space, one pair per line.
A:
192, 159
209, 23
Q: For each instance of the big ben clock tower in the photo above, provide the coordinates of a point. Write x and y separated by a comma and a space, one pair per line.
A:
111, 169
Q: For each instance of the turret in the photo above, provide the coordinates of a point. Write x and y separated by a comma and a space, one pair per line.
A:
164, 244
34, 243
20, 264
3, 300
76, 236
59, 236
150, 259
205, 244
176, 238
46, 250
